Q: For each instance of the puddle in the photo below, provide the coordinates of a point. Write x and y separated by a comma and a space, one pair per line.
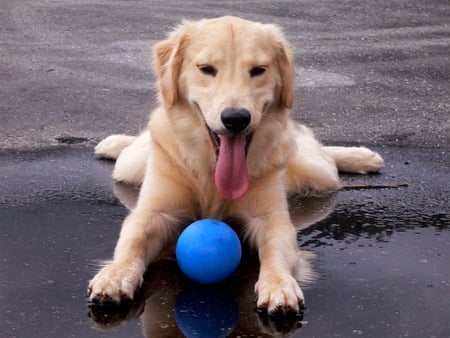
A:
381, 257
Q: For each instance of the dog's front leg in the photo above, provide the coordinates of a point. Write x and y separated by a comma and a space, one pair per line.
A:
271, 231
277, 288
142, 237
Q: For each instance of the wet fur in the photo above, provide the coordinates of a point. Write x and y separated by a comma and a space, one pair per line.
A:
174, 159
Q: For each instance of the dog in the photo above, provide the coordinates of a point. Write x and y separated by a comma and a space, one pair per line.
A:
222, 144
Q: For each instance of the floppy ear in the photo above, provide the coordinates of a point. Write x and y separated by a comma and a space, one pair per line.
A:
168, 59
287, 77
286, 69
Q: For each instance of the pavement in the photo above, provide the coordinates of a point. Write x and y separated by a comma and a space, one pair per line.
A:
372, 73
367, 73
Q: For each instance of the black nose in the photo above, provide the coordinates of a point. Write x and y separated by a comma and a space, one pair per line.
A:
235, 120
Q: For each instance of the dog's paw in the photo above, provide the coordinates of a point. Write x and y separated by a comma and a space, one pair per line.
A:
279, 294
358, 160
112, 146
114, 284
368, 161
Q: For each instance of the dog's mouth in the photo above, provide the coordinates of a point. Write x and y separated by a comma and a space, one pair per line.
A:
231, 173
215, 139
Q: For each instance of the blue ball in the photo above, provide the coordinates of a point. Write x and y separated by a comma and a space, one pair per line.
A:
208, 251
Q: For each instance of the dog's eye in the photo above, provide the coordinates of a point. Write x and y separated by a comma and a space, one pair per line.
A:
256, 71
208, 70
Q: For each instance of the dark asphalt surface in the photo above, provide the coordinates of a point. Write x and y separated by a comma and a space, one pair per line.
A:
381, 255
373, 73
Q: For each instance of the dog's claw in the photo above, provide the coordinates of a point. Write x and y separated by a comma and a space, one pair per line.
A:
114, 285
280, 295
281, 310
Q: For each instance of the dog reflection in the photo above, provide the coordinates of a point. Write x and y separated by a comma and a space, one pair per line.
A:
170, 305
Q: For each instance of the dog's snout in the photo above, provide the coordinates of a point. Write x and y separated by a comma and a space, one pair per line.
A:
235, 120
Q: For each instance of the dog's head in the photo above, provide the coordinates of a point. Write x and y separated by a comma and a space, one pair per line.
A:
233, 73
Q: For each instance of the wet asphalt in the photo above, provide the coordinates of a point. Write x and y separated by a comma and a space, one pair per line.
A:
368, 73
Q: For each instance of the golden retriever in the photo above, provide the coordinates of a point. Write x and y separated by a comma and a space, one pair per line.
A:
222, 145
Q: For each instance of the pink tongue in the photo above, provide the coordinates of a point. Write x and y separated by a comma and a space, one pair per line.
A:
231, 170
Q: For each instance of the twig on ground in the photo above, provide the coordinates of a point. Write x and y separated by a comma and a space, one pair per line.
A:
373, 186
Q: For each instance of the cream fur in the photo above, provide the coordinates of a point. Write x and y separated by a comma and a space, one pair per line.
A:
175, 159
